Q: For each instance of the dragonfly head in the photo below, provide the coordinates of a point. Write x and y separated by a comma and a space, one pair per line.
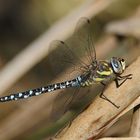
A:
118, 65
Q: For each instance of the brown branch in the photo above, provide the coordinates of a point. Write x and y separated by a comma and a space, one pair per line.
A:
126, 27
135, 126
101, 114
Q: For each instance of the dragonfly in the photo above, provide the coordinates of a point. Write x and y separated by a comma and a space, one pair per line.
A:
92, 70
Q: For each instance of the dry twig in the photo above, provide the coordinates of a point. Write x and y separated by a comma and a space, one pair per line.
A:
135, 127
126, 27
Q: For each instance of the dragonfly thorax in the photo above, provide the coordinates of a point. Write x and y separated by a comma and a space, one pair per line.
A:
98, 72
118, 65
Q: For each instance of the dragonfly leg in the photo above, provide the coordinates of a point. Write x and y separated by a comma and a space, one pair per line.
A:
124, 78
105, 98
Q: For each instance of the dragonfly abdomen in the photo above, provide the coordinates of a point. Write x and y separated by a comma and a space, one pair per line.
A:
41, 90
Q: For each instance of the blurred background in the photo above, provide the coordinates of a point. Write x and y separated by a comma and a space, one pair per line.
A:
116, 29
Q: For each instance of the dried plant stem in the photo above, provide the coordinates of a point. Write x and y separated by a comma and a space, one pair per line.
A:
135, 127
101, 114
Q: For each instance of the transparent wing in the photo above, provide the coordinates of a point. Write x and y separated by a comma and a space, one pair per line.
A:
64, 58
84, 36
73, 99
63, 102
70, 56
76, 54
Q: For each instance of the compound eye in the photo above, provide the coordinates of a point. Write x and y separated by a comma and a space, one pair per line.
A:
116, 64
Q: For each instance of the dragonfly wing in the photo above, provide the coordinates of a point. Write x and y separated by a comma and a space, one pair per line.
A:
84, 36
62, 102
64, 59
77, 53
